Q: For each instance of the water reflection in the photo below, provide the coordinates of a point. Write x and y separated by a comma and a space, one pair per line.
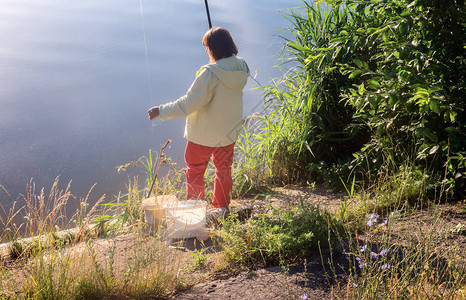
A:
75, 89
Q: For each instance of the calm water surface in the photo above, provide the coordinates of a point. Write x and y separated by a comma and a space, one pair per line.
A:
75, 84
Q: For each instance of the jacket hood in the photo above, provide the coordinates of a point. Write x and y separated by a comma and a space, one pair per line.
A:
231, 71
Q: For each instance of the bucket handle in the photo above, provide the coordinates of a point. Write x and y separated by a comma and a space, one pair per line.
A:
186, 213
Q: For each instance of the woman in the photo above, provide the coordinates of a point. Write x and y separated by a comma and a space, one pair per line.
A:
213, 107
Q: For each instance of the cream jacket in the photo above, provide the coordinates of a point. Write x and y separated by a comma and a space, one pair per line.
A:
213, 105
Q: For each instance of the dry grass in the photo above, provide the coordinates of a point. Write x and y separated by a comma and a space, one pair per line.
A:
46, 262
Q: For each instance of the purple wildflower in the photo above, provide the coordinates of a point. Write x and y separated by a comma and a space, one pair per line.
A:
383, 223
373, 254
361, 265
353, 284
358, 258
384, 251
385, 266
373, 216
372, 219
305, 296
363, 248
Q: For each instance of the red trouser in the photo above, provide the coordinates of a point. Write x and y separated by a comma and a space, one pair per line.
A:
197, 158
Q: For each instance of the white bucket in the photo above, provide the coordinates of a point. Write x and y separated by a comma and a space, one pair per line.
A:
186, 219
153, 209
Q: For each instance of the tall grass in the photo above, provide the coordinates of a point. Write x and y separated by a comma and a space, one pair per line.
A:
44, 213
303, 130
358, 96
152, 271
42, 222
171, 183
59, 263
393, 241
408, 265
95, 271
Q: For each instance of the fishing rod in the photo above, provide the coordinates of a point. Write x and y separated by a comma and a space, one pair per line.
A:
208, 13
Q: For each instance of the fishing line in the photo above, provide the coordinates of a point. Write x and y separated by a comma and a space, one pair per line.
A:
145, 49
145, 41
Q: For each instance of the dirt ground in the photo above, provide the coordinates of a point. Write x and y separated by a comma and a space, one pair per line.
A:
304, 280
268, 283
309, 279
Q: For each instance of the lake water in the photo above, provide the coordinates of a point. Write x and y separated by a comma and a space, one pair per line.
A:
75, 84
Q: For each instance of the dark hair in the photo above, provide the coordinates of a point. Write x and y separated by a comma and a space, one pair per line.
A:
219, 41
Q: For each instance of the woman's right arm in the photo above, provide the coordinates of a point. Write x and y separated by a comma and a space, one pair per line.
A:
199, 94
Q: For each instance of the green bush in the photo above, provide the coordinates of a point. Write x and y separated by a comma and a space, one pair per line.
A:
280, 235
406, 68
376, 85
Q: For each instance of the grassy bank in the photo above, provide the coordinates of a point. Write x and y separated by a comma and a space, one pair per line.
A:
386, 247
